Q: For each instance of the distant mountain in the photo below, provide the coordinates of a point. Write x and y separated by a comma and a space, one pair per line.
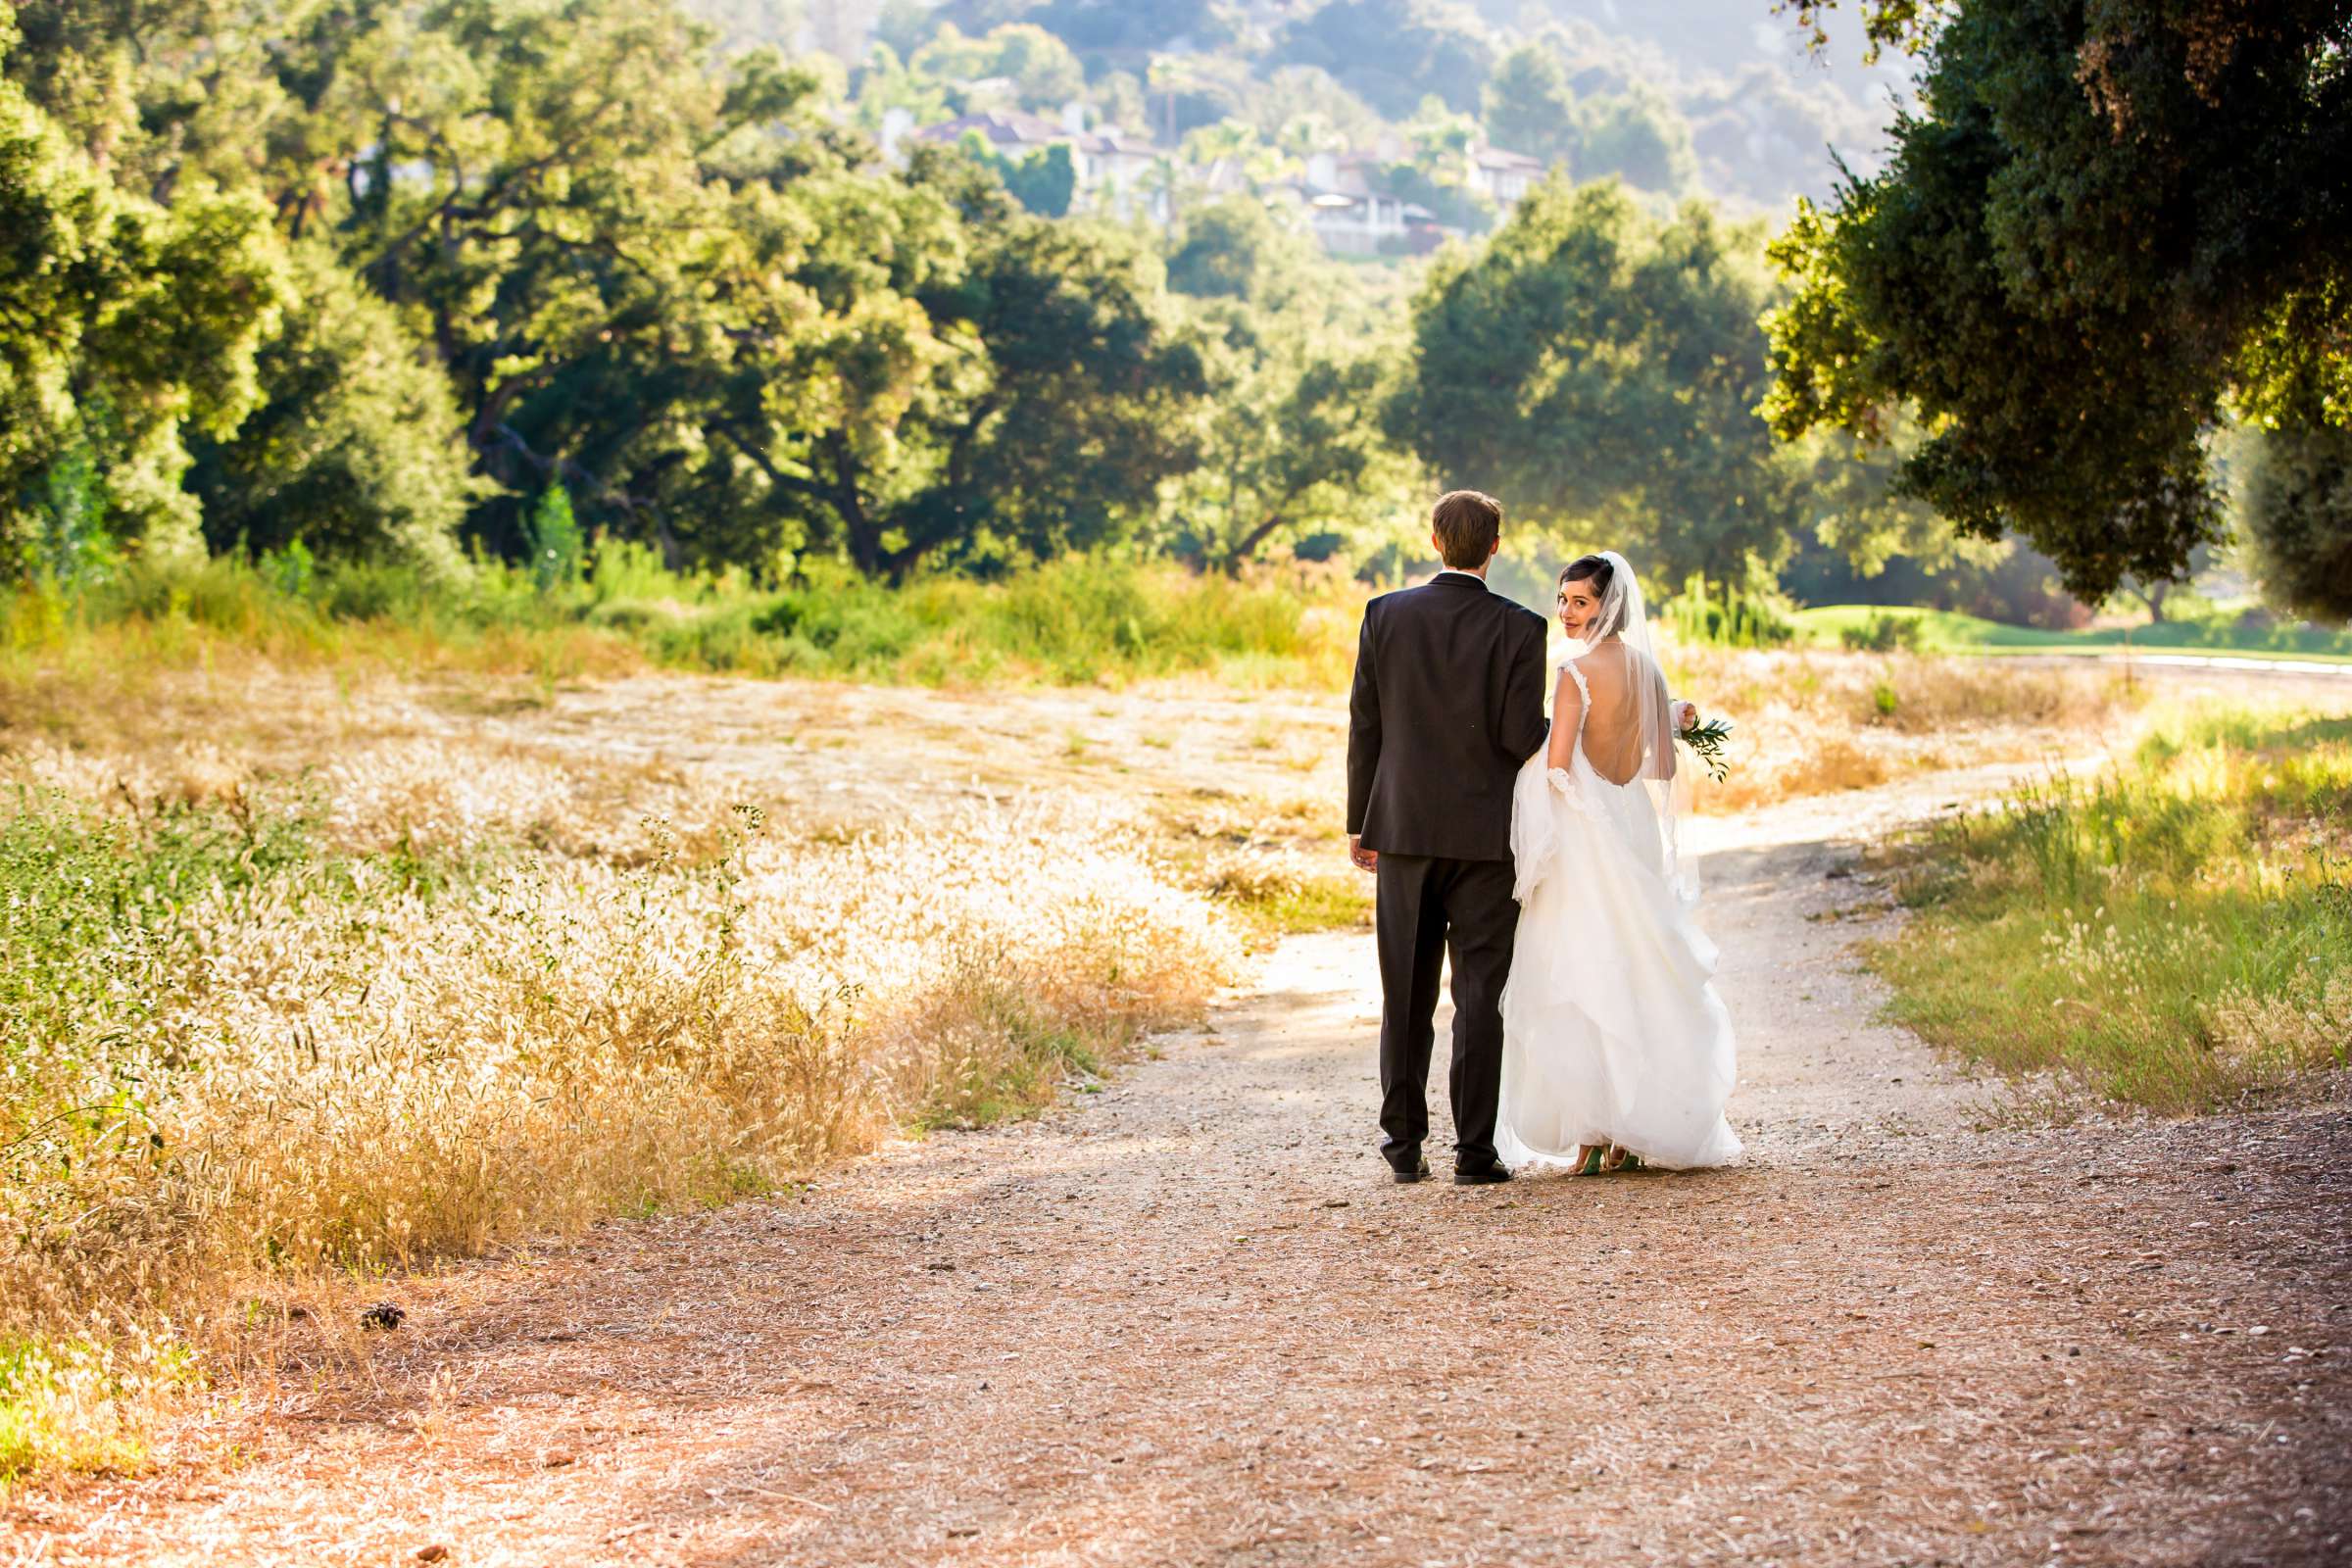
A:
1719, 37
1761, 118
1766, 113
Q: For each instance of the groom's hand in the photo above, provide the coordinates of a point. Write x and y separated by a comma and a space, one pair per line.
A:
1365, 860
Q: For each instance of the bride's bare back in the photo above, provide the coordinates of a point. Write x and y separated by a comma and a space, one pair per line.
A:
1628, 730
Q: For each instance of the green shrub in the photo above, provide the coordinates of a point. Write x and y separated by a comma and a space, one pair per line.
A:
1882, 634
558, 548
622, 568
367, 590
1077, 620
1737, 619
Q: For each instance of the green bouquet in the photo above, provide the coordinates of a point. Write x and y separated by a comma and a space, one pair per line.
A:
1706, 743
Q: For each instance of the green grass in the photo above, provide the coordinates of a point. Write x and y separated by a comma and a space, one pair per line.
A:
1949, 632
47, 1410
1077, 621
2176, 934
91, 898
1013, 1066
1273, 891
1307, 904
77, 1403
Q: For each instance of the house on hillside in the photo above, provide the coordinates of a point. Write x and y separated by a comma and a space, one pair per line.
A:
1012, 133
1126, 160
1502, 177
1113, 166
1345, 204
1349, 199
1351, 203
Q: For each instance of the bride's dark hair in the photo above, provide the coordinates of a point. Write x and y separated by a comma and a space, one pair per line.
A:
1584, 566
1598, 569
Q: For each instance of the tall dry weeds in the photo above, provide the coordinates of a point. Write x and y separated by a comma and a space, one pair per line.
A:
1817, 722
421, 1000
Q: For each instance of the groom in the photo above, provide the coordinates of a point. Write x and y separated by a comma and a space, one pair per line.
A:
1447, 702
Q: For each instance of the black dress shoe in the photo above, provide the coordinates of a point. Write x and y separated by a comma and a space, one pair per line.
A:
1418, 1171
1486, 1175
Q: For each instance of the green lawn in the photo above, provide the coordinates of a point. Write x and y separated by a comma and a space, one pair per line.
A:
1948, 632
2175, 933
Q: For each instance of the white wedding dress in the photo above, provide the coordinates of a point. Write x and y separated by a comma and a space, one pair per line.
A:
1612, 1030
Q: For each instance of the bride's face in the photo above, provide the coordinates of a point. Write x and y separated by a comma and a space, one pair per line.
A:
1578, 605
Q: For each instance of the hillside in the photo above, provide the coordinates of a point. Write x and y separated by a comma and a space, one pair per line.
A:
1681, 97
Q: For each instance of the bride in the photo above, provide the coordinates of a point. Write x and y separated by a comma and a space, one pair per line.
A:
1617, 1051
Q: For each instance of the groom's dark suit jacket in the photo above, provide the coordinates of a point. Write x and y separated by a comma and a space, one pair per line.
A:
1449, 701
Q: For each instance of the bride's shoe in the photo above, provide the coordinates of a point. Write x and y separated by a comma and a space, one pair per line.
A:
1587, 1161
1620, 1158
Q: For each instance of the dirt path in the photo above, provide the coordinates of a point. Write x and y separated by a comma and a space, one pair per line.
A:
1183, 1322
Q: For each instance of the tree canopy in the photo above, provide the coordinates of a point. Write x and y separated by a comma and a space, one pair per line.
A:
2113, 224
124, 324
1291, 447
410, 279
1052, 400
1045, 74
1528, 106
2297, 516
355, 448
1106, 33
373, 275
1599, 369
1635, 134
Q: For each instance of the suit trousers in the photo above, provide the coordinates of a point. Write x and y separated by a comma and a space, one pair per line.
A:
1428, 906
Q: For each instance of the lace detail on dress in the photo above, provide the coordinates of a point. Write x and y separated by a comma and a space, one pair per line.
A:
1581, 690
1564, 784
1562, 780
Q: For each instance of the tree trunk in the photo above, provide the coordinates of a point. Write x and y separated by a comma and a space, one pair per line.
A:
860, 532
1238, 554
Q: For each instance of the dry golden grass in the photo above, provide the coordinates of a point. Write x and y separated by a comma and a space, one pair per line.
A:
50, 673
1820, 723
430, 995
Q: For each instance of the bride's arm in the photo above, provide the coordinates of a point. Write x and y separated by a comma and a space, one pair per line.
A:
1567, 708
1668, 712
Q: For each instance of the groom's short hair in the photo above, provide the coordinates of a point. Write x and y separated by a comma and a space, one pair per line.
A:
1467, 523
